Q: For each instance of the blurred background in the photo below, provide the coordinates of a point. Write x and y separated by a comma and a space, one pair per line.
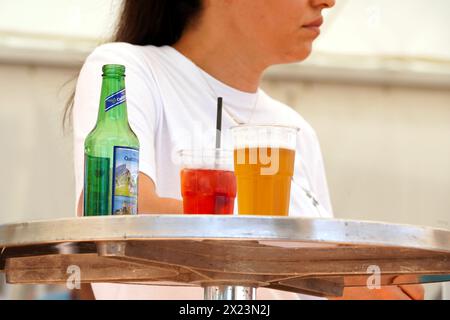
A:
376, 89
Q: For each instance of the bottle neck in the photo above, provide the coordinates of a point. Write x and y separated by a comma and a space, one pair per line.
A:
113, 105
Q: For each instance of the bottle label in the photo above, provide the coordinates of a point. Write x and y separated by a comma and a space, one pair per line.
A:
115, 99
96, 182
125, 181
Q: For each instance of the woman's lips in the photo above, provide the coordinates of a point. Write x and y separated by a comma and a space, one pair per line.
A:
315, 25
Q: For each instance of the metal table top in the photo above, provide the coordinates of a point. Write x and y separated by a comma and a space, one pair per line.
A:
148, 227
315, 256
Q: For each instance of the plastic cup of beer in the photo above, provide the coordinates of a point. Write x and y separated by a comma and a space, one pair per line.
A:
208, 183
264, 159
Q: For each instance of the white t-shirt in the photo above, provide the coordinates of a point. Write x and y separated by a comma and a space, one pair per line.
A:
172, 106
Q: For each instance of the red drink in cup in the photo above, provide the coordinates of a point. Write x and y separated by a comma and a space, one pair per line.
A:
208, 184
208, 191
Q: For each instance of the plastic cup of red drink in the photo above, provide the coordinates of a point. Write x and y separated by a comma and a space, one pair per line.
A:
208, 183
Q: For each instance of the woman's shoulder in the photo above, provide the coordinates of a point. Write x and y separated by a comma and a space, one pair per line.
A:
141, 62
143, 91
126, 53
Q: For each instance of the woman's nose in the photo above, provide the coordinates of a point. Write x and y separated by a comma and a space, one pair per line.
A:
324, 4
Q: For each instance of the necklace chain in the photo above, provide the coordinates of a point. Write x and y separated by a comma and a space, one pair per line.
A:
216, 96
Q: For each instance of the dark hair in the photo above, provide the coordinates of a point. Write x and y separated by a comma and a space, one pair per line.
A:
151, 22
155, 22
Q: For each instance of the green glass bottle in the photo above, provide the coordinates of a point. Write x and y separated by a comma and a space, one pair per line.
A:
111, 153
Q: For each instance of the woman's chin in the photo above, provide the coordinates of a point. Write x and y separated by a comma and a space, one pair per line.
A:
299, 54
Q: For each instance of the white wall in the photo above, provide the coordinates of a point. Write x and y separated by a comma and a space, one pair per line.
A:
36, 157
68, 18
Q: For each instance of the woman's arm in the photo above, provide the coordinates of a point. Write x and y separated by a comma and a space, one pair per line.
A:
393, 292
409, 292
148, 200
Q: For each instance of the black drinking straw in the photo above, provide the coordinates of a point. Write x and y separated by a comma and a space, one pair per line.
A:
219, 122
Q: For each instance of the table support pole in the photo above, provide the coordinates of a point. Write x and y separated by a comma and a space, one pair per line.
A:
227, 292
